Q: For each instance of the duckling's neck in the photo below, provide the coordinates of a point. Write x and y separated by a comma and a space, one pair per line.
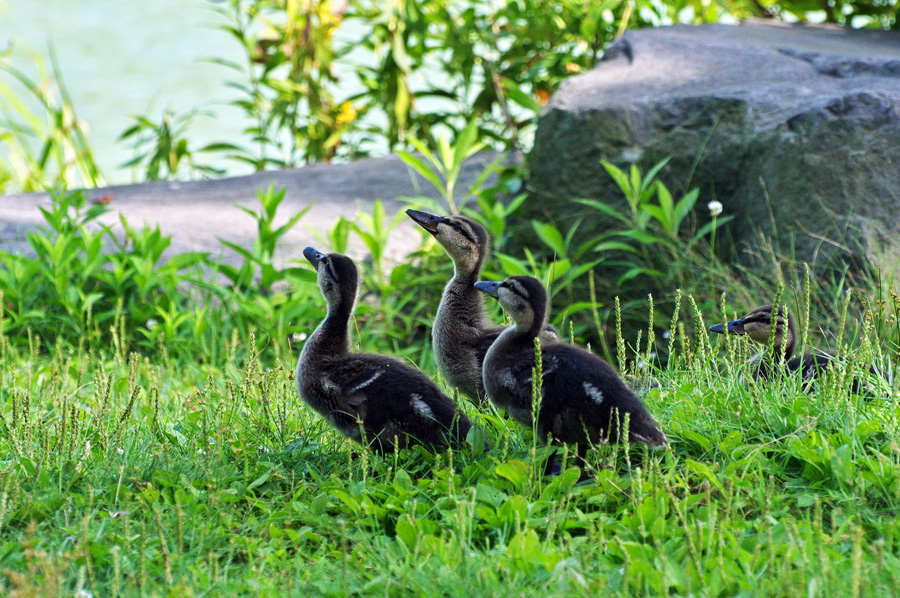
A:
784, 352
461, 300
785, 345
521, 335
467, 274
332, 338
530, 330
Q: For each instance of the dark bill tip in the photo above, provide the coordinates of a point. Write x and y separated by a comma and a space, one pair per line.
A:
313, 256
720, 328
427, 221
491, 287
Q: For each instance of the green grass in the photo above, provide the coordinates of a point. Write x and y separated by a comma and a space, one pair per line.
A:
152, 442
156, 477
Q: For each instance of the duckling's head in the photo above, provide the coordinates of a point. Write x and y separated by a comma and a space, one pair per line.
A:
336, 274
523, 298
758, 325
464, 240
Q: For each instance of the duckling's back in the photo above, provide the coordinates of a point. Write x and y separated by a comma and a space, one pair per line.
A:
587, 400
582, 398
386, 401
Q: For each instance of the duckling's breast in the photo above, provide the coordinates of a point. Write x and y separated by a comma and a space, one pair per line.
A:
455, 353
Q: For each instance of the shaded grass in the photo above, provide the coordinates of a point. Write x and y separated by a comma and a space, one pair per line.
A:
142, 477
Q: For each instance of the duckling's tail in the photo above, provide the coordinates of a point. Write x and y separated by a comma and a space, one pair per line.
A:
642, 429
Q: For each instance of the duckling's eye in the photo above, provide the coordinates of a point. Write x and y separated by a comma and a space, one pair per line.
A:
457, 226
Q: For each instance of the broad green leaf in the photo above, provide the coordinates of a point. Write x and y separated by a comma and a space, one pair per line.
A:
512, 266
557, 269
466, 144
708, 227
551, 237
519, 97
659, 215
422, 168
614, 211
636, 183
290, 223
685, 205
619, 177
515, 471
238, 249
651, 174
407, 533
638, 271
667, 205
638, 235
303, 274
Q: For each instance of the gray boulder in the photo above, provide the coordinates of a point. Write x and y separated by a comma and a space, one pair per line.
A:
794, 129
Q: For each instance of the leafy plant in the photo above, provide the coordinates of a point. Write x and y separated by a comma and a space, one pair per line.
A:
287, 82
86, 283
45, 150
258, 270
164, 150
179, 476
443, 170
652, 232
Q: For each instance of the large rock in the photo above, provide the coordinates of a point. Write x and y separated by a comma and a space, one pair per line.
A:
795, 129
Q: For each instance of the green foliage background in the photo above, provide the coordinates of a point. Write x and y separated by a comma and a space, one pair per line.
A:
321, 80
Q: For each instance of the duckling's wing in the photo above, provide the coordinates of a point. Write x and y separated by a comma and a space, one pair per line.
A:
815, 363
512, 375
393, 399
351, 377
589, 388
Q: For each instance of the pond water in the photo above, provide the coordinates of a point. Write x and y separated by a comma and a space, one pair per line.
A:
121, 58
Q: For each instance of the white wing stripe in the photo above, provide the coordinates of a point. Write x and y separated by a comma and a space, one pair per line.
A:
421, 406
594, 393
362, 385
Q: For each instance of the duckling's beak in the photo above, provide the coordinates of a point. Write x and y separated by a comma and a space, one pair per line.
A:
313, 256
733, 327
427, 221
491, 287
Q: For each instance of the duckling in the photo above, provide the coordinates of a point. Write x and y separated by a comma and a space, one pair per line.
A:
758, 323
369, 398
462, 333
583, 400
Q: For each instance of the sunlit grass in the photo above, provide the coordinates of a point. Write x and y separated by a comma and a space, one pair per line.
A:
138, 476
152, 442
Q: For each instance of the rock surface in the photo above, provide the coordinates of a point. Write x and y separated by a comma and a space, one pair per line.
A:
795, 129
197, 214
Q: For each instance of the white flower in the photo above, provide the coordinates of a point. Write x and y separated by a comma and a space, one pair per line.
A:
152, 323
201, 452
121, 451
298, 337
715, 208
